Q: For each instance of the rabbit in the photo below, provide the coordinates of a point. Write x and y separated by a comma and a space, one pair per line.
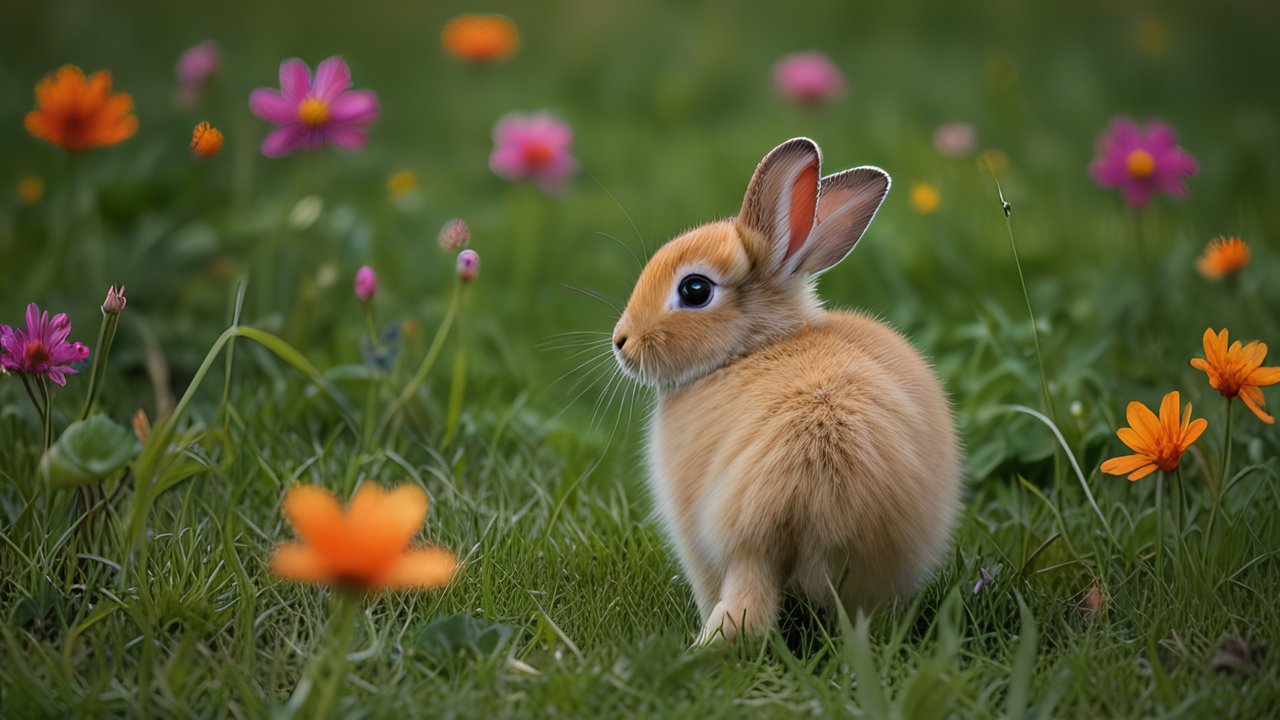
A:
790, 446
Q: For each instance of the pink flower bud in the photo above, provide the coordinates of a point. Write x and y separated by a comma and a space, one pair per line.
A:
454, 234
468, 265
366, 283
199, 63
115, 302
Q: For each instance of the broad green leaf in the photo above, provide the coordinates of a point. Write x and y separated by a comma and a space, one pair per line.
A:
88, 450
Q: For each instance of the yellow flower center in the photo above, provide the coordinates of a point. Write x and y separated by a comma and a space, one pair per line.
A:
313, 112
1140, 164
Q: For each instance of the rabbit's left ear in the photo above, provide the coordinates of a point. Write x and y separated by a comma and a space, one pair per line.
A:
846, 205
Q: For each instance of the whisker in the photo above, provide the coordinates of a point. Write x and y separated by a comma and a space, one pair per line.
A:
643, 245
628, 248
594, 295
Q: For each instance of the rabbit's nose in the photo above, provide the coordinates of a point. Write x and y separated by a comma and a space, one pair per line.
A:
619, 341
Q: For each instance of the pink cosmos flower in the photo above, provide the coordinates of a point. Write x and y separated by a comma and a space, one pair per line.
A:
808, 77
1142, 162
366, 283
534, 146
43, 349
312, 113
954, 139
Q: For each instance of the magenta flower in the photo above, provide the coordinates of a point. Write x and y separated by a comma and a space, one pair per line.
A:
1142, 162
311, 114
43, 349
534, 146
366, 283
468, 265
808, 77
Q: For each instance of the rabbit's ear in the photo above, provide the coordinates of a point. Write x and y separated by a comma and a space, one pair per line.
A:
782, 200
846, 206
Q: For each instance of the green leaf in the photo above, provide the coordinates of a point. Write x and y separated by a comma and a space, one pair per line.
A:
88, 451
454, 636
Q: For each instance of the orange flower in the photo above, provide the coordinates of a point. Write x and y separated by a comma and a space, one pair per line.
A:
1237, 371
1157, 442
206, 140
1223, 256
365, 547
481, 38
76, 113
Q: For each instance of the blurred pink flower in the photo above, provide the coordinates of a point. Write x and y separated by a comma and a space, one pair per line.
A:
43, 349
808, 77
454, 234
468, 265
954, 139
311, 114
534, 146
196, 67
366, 283
1142, 161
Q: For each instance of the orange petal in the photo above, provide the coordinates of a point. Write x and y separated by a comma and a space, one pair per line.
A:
1192, 433
1263, 376
1136, 443
383, 523
1142, 420
1200, 364
295, 561
426, 568
1256, 406
1142, 472
1124, 464
1170, 406
316, 517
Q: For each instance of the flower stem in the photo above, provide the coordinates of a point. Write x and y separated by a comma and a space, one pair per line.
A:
1222, 477
335, 660
40, 409
106, 334
433, 352
1159, 521
48, 411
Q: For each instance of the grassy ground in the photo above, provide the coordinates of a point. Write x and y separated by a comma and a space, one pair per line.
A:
569, 601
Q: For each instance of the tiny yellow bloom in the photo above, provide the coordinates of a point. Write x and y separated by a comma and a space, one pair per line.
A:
30, 190
925, 198
401, 183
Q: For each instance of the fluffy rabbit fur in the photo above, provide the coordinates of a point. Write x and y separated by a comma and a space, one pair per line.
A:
791, 446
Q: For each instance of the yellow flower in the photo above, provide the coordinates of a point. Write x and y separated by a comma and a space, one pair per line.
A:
925, 198
364, 547
1158, 443
1237, 371
78, 113
1222, 257
206, 140
30, 190
401, 183
481, 38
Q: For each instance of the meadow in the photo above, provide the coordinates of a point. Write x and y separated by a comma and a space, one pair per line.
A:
135, 569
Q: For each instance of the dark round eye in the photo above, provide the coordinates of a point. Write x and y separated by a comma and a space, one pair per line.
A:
695, 291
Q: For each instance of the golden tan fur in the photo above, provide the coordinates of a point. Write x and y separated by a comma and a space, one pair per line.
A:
790, 446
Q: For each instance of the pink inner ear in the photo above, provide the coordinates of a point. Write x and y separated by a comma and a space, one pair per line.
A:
804, 201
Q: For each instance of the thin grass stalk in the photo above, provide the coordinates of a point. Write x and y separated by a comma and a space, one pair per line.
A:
1222, 477
433, 352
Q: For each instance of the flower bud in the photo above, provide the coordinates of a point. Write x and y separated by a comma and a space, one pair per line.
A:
366, 283
468, 265
454, 234
115, 302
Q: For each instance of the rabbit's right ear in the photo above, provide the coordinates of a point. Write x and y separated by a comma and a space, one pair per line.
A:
781, 203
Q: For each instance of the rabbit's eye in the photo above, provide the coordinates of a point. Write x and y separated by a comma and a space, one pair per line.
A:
695, 291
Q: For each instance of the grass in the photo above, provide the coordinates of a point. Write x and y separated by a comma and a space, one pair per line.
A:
570, 602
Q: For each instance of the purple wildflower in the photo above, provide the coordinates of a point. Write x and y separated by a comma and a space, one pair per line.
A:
312, 113
43, 348
1142, 162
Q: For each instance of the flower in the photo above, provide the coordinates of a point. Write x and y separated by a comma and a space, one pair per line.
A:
43, 348
454, 234
1223, 256
366, 283
206, 140
312, 113
1157, 442
79, 113
468, 265
985, 577
481, 38
925, 198
30, 190
954, 139
364, 547
401, 183
1142, 162
115, 302
141, 425
195, 68
1237, 371
808, 77
534, 146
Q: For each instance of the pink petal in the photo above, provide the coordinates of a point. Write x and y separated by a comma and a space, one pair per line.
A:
347, 137
284, 140
552, 176
295, 80
1108, 173
1137, 194
56, 375
272, 106
333, 77
507, 162
34, 319
1160, 136
357, 107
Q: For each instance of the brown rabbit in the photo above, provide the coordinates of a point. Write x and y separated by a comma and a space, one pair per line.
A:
790, 445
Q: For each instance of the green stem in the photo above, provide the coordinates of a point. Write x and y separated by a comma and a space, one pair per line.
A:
370, 327
106, 335
335, 660
40, 409
1159, 521
437, 343
48, 414
1222, 477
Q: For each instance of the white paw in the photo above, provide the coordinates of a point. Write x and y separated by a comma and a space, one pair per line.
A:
720, 625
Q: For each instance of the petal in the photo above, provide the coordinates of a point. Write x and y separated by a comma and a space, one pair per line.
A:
1125, 464
296, 561
285, 140
333, 77
1263, 376
1144, 422
1137, 194
1193, 433
1169, 411
1130, 437
1142, 472
382, 523
272, 106
357, 107
426, 568
316, 517
507, 162
295, 80
347, 137
1257, 408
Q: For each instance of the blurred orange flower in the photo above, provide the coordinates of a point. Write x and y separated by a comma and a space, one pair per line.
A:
79, 113
1157, 442
1237, 371
365, 547
1223, 256
481, 38
206, 140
